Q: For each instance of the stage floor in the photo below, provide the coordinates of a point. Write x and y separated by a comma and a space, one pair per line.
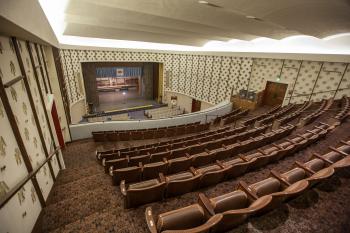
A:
116, 100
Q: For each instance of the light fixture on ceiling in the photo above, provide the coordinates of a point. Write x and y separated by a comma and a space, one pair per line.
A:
208, 3
253, 17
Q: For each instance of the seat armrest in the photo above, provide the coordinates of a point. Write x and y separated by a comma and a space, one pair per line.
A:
299, 135
244, 187
278, 176
205, 203
162, 177
165, 160
243, 158
345, 143
261, 151
123, 187
322, 158
141, 165
338, 151
322, 123
302, 166
278, 146
309, 131
194, 171
150, 220
218, 162
289, 140
187, 155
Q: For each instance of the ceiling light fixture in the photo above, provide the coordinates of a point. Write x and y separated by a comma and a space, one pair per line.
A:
253, 17
208, 3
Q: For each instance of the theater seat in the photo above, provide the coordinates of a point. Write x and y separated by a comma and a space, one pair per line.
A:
179, 164
181, 183
190, 219
129, 174
151, 170
143, 192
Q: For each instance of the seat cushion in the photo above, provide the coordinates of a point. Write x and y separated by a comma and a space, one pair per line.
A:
294, 175
254, 155
230, 201
180, 219
179, 176
233, 161
315, 164
267, 186
333, 156
207, 169
151, 165
144, 184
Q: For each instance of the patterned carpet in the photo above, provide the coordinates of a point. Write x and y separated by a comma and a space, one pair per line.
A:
84, 200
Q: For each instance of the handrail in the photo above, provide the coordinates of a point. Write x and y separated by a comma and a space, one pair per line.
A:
14, 190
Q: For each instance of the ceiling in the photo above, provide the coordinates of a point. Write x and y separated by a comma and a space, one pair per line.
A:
187, 22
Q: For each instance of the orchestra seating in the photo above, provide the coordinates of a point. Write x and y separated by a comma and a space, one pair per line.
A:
151, 133
118, 117
202, 176
164, 112
222, 213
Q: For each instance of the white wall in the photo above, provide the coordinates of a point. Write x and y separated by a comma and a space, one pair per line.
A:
81, 131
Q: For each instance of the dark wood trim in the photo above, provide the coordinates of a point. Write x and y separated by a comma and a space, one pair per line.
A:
31, 176
13, 81
32, 105
341, 80
295, 82
41, 67
318, 76
19, 140
45, 67
42, 98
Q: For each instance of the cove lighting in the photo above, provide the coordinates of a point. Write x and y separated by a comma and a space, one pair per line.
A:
333, 44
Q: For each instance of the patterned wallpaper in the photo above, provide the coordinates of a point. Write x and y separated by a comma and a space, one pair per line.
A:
214, 78
25, 206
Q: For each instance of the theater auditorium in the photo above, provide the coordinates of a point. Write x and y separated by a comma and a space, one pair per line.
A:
150, 116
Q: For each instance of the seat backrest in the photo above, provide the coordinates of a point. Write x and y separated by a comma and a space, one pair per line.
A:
294, 175
177, 165
267, 186
315, 164
230, 201
152, 170
180, 219
129, 174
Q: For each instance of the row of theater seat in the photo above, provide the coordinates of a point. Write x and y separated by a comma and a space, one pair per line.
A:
292, 116
183, 162
269, 119
324, 106
345, 106
224, 212
251, 121
106, 153
233, 118
218, 120
173, 149
182, 155
164, 186
141, 134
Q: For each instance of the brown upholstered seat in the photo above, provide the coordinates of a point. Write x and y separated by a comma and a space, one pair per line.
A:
181, 183
179, 152
267, 186
129, 174
152, 170
134, 161
156, 157
203, 159
294, 175
179, 164
211, 175
143, 192
115, 164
